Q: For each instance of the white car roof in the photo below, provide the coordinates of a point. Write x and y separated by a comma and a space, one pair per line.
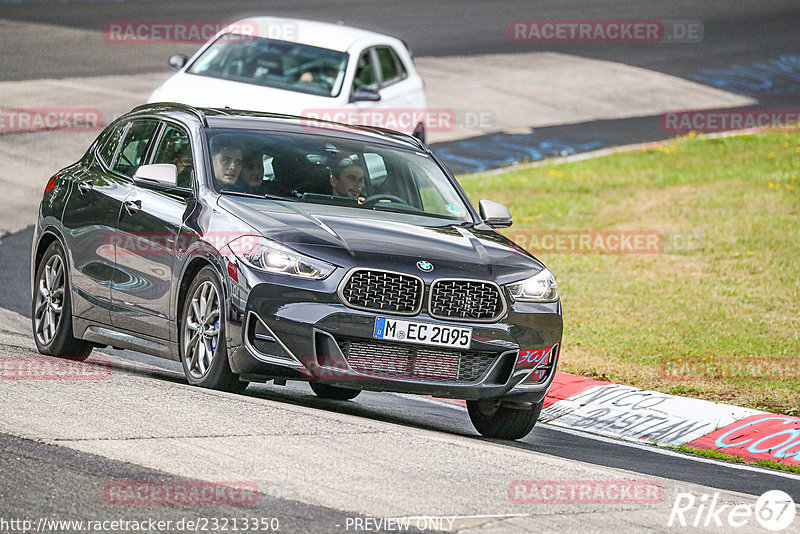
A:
322, 34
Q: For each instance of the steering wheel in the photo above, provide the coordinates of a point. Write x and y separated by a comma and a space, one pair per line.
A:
374, 199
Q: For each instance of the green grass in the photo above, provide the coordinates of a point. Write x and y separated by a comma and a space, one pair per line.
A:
716, 315
710, 453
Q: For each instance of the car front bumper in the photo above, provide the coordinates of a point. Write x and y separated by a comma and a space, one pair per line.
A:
300, 330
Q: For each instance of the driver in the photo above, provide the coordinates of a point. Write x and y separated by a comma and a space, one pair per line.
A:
347, 179
327, 77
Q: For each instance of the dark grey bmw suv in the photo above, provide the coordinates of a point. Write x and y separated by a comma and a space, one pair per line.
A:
256, 247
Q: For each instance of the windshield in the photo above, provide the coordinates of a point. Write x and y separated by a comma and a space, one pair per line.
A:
281, 64
328, 170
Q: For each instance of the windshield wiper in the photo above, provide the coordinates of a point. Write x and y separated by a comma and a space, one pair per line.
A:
396, 209
253, 195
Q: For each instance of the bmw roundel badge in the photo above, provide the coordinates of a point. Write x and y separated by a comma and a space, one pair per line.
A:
426, 266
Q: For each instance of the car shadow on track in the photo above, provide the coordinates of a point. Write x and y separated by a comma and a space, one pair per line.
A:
382, 407
15, 276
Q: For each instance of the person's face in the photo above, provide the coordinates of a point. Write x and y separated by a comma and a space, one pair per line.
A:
349, 183
227, 165
253, 171
182, 161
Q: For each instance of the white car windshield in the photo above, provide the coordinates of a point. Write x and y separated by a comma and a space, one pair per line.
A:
324, 169
268, 62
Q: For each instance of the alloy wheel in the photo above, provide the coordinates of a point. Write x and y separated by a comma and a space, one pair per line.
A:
201, 329
49, 300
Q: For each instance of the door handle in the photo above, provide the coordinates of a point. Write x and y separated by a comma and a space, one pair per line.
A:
85, 187
132, 206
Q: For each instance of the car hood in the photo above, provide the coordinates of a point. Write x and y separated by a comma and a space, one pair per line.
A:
204, 91
349, 237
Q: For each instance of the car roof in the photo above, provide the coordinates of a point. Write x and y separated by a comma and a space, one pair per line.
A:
321, 34
232, 118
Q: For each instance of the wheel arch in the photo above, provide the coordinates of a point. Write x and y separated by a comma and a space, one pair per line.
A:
194, 266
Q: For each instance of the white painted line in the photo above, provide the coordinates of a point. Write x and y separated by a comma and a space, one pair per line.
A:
480, 516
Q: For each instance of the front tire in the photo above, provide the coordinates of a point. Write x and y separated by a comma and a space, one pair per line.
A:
51, 308
326, 391
204, 353
494, 420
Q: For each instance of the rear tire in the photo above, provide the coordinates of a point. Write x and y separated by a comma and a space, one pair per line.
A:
204, 353
51, 308
493, 420
326, 391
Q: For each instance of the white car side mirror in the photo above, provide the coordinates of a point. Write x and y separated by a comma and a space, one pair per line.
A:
160, 173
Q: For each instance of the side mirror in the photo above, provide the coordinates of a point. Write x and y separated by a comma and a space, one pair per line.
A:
495, 214
178, 61
165, 174
365, 95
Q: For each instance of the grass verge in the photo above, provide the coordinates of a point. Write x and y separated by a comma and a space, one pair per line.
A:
715, 312
710, 453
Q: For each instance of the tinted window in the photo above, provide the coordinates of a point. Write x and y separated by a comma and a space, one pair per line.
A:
175, 148
324, 169
111, 143
391, 67
134, 146
366, 77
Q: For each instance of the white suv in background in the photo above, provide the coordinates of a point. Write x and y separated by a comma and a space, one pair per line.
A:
305, 68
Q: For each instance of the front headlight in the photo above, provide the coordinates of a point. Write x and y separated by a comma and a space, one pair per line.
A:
539, 288
261, 253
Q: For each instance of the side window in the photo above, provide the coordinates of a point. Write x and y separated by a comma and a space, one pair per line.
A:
366, 77
109, 148
392, 69
176, 148
134, 146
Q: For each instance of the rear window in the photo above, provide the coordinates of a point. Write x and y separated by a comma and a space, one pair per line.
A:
392, 69
110, 146
134, 147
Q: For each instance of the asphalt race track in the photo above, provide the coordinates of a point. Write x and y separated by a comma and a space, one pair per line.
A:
735, 32
748, 48
320, 465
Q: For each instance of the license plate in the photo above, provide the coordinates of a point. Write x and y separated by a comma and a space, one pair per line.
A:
456, 337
